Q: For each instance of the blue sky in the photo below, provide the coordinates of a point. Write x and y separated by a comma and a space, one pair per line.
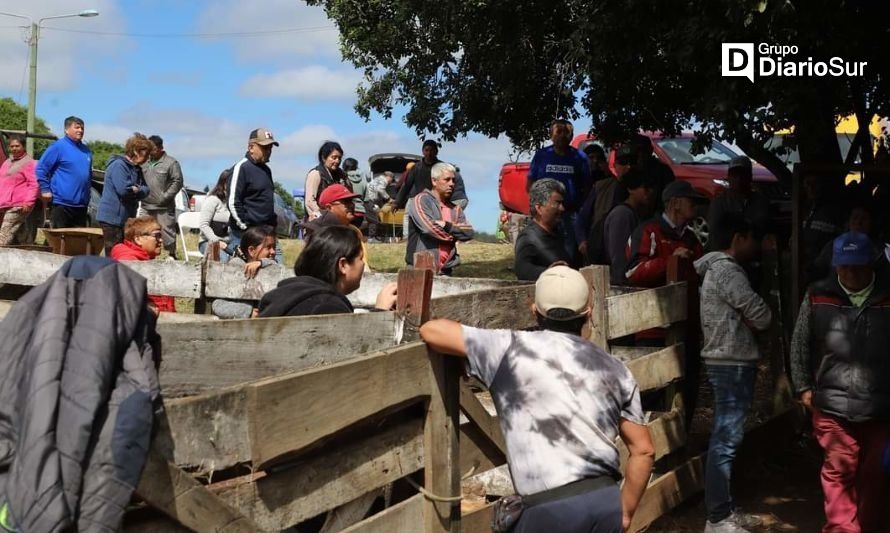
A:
150, 66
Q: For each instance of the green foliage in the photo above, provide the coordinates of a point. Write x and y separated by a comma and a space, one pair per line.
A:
15, 117
497, 66
285, 195
102, 152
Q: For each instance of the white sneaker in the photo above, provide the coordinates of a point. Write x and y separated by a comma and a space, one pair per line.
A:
737, 522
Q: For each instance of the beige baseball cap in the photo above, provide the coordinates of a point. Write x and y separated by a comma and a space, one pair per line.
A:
262, 137
561, 287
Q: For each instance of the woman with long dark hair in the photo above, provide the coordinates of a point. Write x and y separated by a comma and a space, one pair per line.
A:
214, 220
255, 251
328, 172
330, 267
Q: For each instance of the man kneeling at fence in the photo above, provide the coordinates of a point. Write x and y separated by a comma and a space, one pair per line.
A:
561, 401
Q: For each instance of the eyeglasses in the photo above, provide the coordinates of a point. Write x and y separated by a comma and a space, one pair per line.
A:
156, 234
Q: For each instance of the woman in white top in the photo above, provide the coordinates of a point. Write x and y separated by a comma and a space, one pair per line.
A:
214, 220
325, 174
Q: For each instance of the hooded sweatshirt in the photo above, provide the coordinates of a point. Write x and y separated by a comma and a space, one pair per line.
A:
729, 309
303, 295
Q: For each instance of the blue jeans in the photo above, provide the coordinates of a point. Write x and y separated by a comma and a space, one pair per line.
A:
225, 252
733, 395
235, 241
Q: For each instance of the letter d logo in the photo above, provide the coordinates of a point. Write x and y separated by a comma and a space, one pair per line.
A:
738, 60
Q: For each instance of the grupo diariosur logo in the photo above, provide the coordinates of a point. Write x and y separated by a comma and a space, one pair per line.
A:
739, 59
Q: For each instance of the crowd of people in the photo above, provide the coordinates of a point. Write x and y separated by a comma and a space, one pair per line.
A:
561, 399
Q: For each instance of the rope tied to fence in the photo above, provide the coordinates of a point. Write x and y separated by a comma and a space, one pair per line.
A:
434, 497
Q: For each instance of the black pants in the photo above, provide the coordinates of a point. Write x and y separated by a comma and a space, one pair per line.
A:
112, 235
64, 216
597, 511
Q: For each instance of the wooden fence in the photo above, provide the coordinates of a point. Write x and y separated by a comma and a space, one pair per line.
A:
269, 423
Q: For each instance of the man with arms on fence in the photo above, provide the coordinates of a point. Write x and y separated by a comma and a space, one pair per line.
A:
541, 244
164, 178
435, 223
64, 173
730, 311
839, 367
561, 401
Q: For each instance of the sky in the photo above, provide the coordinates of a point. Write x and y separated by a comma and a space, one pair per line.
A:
161, 67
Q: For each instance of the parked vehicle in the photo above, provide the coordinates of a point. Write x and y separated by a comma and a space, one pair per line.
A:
395, 163
706, 172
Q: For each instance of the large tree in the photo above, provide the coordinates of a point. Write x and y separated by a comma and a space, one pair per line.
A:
510, 66
102, 152
15, 117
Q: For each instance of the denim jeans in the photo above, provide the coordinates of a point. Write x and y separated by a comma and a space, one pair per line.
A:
733, 395
225, 252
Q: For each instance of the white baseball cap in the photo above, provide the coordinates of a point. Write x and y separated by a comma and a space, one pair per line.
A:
561, 287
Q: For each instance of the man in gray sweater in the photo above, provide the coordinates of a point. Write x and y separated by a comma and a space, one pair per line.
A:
164, 178
730, 312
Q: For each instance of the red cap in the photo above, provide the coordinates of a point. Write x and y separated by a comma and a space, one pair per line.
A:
333, 193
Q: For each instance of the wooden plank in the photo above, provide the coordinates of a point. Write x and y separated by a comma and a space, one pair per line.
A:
335, 477
651, 308
25, 267
215, 354
289, 413
478, 521
486, 423
669, 491
477, 452
427, 259
223, 280
658, 369
668, 433
164, 318
501, 308
177, 494
403, 517
441, 445
598, 324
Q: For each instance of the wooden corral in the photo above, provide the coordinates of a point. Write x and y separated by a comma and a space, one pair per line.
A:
268, 423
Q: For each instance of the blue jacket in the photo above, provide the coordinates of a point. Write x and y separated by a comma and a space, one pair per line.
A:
65, 170
119, 202
572, 170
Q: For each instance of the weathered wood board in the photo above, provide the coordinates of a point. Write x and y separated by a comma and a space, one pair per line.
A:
637, 311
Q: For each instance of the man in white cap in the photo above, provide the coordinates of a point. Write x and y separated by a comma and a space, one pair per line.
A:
561, 401
252, 190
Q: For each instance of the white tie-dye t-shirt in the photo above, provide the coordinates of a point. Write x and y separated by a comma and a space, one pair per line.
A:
559, 399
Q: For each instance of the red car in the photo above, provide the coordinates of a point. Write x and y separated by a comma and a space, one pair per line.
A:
706, 172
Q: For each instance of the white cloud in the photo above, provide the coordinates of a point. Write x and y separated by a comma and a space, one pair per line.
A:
64, 54
313, 83
317, 37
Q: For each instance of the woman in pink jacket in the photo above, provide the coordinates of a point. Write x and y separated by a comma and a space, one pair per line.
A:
18, 189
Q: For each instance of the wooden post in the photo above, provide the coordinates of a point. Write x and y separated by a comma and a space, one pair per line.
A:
597, 329
687, 332
427, 259
441, 426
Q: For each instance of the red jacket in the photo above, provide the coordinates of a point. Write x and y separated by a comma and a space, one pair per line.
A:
651, 246
130, 251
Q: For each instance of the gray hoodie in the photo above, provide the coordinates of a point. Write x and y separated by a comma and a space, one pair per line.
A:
730, 309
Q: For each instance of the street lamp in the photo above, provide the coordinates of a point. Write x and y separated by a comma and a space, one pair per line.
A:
32, 78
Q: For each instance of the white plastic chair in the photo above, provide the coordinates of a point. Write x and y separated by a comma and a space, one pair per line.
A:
186, 221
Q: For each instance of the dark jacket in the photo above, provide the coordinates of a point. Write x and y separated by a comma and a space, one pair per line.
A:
119, 201
840, 351
164, 179
755, 209
78, 391
536, 250
303, 295
424, 234
251, 195
418, 179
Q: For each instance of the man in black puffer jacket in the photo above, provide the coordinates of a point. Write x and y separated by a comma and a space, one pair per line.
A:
839, 366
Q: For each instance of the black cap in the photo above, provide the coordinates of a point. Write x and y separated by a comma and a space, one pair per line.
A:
681, 189
430, 142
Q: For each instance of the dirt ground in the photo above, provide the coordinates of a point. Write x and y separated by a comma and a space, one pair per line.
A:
783, 489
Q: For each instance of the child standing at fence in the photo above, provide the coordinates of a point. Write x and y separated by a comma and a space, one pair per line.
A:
142, 242
256, 251
730, 312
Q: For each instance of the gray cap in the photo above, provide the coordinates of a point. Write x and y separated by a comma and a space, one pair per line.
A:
681, 189
741, 161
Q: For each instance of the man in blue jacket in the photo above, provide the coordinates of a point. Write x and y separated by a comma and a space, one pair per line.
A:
251, 189
63, 173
